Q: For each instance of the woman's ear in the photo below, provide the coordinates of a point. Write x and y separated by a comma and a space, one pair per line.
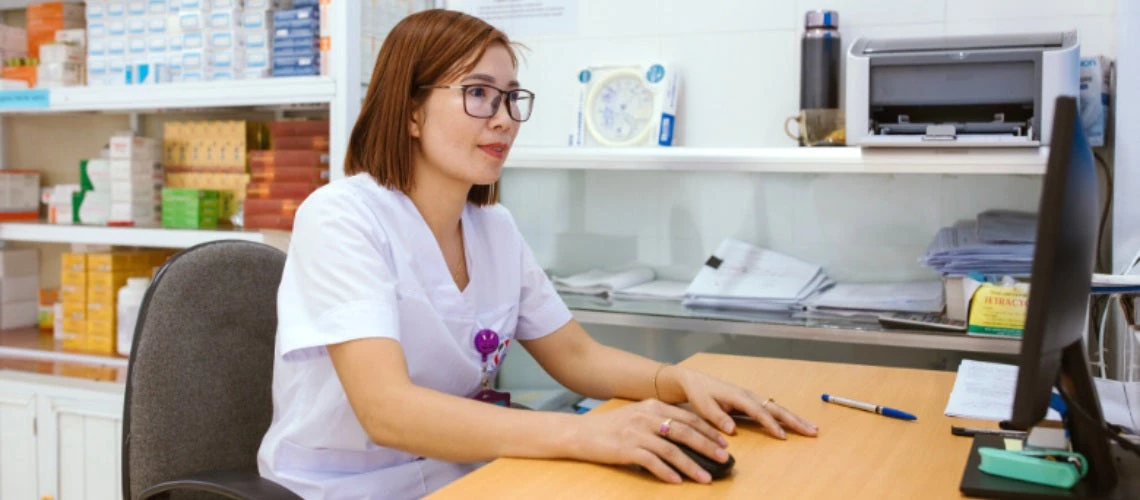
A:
415, 126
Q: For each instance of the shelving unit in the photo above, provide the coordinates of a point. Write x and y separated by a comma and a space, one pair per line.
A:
265, 92
674, 316
156, 237
32, 345
840, 160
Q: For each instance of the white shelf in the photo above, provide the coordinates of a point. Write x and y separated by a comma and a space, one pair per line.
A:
264, 92
124, 236
838, 160
33, 354
673, 316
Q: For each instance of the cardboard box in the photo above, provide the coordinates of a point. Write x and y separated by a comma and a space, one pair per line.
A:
74, 311
100, 327
104, 311
127, 147
73, 262
102, 294
107, 281
114, 262
73, 287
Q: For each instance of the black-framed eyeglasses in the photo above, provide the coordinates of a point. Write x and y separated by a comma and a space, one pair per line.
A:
482, 101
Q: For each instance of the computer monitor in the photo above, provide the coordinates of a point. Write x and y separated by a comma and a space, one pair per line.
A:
1052, 348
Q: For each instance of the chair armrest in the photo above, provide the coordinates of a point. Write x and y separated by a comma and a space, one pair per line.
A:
238, 484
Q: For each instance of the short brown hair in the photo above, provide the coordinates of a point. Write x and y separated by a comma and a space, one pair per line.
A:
423, 49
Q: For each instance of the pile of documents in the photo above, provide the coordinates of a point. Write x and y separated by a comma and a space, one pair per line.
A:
633, 283
743, 276
998, 242
986, 391
866, 301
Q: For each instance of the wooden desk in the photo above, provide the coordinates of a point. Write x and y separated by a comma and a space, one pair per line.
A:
857, 454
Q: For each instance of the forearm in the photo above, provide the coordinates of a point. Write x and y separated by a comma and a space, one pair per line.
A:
603, 372
423, 422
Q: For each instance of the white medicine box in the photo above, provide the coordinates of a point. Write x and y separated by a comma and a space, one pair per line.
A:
19, 195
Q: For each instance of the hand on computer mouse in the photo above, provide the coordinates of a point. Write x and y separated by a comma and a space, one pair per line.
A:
718, 470
648, 434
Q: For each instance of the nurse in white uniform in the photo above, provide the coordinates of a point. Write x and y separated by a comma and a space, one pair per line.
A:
406, 286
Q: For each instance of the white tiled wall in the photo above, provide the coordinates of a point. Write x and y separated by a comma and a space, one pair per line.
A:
739, 61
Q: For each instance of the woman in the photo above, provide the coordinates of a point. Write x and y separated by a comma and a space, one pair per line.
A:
406, 284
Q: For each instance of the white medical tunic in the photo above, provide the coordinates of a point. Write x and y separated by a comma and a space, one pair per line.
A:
363, 263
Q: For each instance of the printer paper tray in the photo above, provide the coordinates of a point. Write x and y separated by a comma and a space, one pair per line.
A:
962, 141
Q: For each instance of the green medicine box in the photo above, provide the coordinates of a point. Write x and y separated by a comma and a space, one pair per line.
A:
190, 208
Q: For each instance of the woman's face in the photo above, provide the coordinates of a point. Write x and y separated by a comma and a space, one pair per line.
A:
464, 147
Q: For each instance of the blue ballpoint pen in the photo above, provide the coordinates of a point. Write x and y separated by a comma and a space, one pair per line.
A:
881, 410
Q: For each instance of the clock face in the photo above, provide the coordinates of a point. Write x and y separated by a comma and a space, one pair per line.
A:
621, 109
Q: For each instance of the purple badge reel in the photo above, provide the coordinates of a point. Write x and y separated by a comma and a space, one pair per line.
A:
487, 344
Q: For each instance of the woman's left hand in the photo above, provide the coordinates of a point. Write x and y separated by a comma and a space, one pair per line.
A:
714, 399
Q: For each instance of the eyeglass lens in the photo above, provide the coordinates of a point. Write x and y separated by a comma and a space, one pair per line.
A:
483, 101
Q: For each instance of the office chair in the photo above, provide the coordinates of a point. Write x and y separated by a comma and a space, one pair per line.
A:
198, 398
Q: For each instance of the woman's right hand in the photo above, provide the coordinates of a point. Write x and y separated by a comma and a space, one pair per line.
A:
632, 435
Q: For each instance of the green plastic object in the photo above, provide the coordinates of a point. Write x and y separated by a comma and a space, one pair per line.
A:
1033, 467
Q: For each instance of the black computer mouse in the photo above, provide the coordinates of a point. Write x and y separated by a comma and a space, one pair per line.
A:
715, 469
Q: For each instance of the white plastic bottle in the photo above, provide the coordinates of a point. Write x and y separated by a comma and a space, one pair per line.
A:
129, 303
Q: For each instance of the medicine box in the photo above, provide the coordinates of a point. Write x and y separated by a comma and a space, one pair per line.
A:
19, 195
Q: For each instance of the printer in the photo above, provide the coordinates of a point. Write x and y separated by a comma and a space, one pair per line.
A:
988, 90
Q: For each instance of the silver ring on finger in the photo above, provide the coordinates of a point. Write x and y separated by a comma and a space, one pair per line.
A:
664, 429
767, 402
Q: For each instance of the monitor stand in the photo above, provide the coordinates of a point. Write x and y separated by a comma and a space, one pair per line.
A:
976, 483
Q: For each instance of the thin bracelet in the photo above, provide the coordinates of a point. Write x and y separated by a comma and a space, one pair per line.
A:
657, 392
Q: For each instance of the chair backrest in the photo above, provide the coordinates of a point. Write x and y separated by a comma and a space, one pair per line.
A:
198, 395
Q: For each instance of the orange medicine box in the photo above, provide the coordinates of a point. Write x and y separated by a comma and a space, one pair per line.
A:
289, 174
283, 222
288, 158
315, 143
271, 206
298, 128
56, 10
296, 190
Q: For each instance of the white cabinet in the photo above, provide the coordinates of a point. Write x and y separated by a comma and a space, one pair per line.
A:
18, 448
61, 438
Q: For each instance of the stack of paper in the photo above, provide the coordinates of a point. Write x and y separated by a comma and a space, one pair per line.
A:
664, 290
867, 301
604, 283
997, 243
985, 391
743, 276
